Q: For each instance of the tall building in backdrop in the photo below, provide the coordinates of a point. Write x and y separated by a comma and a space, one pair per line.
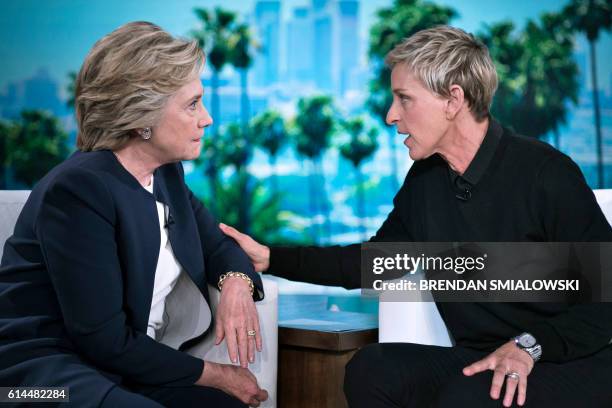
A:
299, 46
347, 45
39, 91
267, 23
322, 44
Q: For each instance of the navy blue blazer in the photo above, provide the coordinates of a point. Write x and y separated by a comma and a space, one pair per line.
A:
76, 278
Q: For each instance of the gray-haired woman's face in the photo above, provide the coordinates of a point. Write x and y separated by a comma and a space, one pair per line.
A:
418, 113
178, 135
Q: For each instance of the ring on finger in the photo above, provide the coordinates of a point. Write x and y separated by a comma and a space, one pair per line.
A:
514, 375
251, 333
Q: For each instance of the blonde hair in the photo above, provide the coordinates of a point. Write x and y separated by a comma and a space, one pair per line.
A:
443, 56
125, 81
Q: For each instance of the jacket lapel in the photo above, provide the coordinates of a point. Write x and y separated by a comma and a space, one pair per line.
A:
182, 229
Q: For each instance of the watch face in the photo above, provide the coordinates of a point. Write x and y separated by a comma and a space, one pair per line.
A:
526, 340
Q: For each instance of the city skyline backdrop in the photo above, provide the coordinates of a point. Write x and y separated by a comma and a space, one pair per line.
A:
57, 35
311, 46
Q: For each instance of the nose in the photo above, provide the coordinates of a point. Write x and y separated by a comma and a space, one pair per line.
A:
206, 120
392, 116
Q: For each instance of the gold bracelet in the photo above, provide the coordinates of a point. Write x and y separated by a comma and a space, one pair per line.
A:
240, 275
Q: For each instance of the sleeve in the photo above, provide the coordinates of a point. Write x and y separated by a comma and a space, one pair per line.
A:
570, 213
338, 265
221, 253
76, 230
396, 227
566, 205
332, 266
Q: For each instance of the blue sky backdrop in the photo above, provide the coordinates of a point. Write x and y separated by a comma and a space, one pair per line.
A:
57, 34
41, 41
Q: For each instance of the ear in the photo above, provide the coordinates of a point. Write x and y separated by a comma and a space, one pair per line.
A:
454, 102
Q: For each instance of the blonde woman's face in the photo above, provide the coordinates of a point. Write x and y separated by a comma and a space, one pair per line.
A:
178, 135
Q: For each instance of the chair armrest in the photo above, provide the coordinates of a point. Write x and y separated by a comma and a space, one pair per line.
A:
411, 322
265, 367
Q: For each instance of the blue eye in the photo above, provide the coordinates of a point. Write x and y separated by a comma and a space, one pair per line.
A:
193, 105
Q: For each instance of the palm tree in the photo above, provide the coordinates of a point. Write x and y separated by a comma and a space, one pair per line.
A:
270, 132
265, 213
241, 49
360, 147
214, 37
402, 19
241, 57
506, 52
561, 73
235, 149
315, 125
212, 159
538, 77
591, 17
36, 145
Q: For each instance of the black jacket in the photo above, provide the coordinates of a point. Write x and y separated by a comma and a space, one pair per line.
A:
76, 278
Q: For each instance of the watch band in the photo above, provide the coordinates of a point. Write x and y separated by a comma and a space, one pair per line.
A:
535, 352
527, 342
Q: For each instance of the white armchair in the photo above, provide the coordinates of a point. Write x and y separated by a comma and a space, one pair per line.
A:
265, 366
420, 322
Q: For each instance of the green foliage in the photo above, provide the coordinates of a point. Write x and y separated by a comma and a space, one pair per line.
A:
265, 214
242, 46
214, 36
228, 148
269, 131
33, 145
358, 148
505, 52
315, 124
361, 145
537, 75
235, 149
392, 25
224, 40
589, 16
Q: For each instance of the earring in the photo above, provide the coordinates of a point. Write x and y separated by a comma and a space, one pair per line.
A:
146, 133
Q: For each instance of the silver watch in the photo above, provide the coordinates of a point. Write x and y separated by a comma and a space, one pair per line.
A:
526, 341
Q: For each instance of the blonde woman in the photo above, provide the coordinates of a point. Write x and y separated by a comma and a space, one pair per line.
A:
112, 237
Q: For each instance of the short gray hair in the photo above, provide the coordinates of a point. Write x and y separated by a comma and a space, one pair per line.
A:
126, 80
443, 56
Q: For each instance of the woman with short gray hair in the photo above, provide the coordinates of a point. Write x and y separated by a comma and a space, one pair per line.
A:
472, 181
112, 242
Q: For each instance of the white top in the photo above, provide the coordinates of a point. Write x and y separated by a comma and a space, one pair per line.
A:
166, 274
179, 311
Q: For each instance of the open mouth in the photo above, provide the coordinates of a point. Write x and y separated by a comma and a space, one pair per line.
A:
407, 139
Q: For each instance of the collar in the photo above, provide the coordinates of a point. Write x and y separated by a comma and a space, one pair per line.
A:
479, 164
158, 190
